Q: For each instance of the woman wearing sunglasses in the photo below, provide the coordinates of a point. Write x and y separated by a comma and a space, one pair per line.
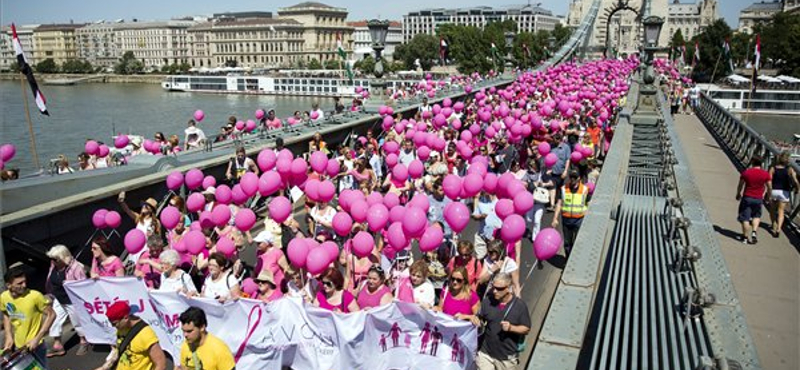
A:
332, 296
459, 300
375, 292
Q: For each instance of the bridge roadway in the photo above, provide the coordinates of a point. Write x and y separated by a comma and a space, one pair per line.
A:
766, 276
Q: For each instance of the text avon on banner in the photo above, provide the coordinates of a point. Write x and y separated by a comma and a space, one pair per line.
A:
287, 332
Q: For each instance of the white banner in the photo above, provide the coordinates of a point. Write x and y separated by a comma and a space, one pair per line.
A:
288, 332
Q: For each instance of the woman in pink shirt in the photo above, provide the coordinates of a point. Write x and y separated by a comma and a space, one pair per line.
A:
375, 292
267, 290
332, 296
270, 257
459, 300
104, 262
148, 267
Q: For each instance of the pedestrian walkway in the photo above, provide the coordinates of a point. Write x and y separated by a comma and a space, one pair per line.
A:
766, 276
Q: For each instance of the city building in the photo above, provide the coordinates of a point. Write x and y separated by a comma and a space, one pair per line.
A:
8, 58
156, 44
527, 17
98, 44
690, 18
250, 42
791, 5
362, 42
55, 41
620, 32
322, 24
758, 13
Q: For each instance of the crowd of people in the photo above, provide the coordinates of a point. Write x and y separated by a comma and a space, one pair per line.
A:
541, 141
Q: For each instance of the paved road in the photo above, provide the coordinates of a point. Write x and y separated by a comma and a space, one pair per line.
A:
766, 276
538, 290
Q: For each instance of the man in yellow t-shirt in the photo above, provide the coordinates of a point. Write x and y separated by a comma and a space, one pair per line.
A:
23, 310
202, 350
143, 351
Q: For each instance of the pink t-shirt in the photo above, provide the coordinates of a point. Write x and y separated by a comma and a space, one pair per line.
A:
269, 261
452, 306
369, 300
276, 294
109, 269
151, 275
346, 299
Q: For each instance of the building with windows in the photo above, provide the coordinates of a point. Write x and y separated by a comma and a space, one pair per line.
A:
322, 24
98, 44
620, 33
758, 13
690, 18
156, 44
527, 17
8, 57
55, 41
362, 42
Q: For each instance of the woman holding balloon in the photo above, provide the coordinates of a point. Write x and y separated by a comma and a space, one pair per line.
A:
145, 221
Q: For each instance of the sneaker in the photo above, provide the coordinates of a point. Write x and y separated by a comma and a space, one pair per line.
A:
753, 238
83, 349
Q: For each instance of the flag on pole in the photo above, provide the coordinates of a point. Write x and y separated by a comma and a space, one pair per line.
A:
696, 58
683, 55
726, 48
526, 50
339, 47
443, 50
757, 64
28, 72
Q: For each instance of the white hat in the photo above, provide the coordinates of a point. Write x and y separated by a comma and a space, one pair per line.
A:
210, 191
264, 237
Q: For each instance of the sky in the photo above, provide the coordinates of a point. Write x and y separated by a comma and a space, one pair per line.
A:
64, 11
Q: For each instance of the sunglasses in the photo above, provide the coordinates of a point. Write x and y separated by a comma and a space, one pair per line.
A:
261, 282
457, 280
327, 283
498, 288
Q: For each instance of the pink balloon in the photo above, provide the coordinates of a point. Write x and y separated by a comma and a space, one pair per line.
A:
431, 239
266, 159
195, 202
332, 167
416, 169
194, 178
238, 195
269, 183
457, 216
209, 181
452, 186
180, 246
135, 241
221, 215
547, 243
400, 172
318, 161
249, 183
102, 151
396, 213
317, 260
314, 115
223, 194
299, 167
420, 201
326, 191
523, 202
332, 249
250, 125
342, 223
473, 183
358, 210
544, 148
513, 229
396, 236
170, 217
91, 147
391, 160
99, 218
121, 141
390, 200
195, 241
590, 187
414, 221
424, 153
280, 208
504, 208
259, 114
550, 160
363, 244
174, 180
249, 287
226, 246
576, 156
391, 147
490, 183
377, 217
374, 198
199, 115
297, 252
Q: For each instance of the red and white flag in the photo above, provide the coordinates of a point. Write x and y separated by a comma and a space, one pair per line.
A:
26, 69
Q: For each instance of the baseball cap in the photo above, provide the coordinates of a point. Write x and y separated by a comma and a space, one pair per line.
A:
118, 311
264, 237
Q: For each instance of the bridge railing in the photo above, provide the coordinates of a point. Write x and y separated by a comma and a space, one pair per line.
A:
742, 143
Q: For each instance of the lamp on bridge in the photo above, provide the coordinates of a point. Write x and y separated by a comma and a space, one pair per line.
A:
378, 29
509, 66
652, 30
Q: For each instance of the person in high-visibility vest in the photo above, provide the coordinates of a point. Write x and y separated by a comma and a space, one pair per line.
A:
571, 205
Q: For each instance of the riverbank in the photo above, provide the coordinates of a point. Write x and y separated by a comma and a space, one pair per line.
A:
100, 78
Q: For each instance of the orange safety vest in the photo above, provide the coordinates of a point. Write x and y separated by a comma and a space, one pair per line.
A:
574, 204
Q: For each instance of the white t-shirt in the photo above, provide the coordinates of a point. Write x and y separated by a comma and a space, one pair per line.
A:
220, 288
321, 115
183, 281
424, 293
509, 265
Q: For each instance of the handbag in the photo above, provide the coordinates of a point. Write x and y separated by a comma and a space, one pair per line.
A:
541, 195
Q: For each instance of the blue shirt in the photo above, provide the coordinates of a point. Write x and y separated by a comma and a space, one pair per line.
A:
562, 152
488, 225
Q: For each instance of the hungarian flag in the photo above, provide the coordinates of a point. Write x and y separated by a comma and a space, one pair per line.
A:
28, 72
494, 50
696, 58
526, 50
443, 50
757, 64
726, 48
683, 54
339, 47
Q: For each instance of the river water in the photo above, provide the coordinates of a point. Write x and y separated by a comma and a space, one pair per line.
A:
98, 111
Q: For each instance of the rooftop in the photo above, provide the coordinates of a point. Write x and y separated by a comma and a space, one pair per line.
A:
363, 23
59, 27
308, 5
245, 22
478, 10
774, 6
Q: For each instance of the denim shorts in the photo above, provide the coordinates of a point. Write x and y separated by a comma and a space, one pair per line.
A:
780, 195
749, 208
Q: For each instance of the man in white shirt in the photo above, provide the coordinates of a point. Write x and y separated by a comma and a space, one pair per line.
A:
195, 137
320, 113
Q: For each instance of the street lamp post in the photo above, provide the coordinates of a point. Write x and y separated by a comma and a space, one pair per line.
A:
647, 92
378, 29
551, 44
509, 66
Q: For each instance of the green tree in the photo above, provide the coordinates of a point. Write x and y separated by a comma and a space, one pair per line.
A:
47, 66
675, 43
77, 66
561, 34
711, 64
422, 47
779, 47
367, 65
128, 64
469, 48
741, 48
314, 64
334, 64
